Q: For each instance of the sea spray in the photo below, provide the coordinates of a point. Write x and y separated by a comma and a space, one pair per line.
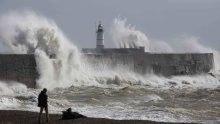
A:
11, 88
59, 62
101, 91
192, 44
159, 46
127, 36
28, 33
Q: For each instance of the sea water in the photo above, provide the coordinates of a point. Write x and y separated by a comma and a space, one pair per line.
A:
103, 92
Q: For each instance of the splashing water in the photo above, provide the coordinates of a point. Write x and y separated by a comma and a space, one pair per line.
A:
127, 36
59, 62
29, 33
191, 44
103, 90
11, 88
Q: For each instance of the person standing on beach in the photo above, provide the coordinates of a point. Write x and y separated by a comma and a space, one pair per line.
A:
42, 103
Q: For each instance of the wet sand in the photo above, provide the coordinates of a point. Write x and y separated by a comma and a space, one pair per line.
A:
25, 117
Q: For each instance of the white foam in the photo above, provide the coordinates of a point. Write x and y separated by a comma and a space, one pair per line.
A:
8, 103
27, 32
127, 36
11, 88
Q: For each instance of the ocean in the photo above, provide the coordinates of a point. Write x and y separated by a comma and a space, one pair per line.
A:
102, 91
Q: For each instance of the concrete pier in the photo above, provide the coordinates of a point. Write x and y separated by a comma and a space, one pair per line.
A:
162, 64
22, 67
18, 67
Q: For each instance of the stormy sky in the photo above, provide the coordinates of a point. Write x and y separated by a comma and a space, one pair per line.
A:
158, 19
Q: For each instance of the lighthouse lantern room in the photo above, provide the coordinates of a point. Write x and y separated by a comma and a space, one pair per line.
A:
100, 37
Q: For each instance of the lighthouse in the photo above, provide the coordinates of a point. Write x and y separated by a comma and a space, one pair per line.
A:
100, 37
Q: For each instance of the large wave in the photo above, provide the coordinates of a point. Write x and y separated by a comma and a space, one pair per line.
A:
28, 33
60, 64
94, 90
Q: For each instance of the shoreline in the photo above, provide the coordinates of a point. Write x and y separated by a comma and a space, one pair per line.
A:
27, 117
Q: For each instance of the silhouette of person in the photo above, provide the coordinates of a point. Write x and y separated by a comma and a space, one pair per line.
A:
42, 103
68, 114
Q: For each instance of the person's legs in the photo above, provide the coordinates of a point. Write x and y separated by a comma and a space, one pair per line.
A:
39, 117
47, 116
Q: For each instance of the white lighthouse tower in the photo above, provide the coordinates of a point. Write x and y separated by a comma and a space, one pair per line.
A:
100, 37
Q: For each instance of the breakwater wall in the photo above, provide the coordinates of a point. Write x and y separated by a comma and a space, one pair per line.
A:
162, 64
18, 67
22, 67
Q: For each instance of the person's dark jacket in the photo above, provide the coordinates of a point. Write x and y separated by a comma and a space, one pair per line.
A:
42, 99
